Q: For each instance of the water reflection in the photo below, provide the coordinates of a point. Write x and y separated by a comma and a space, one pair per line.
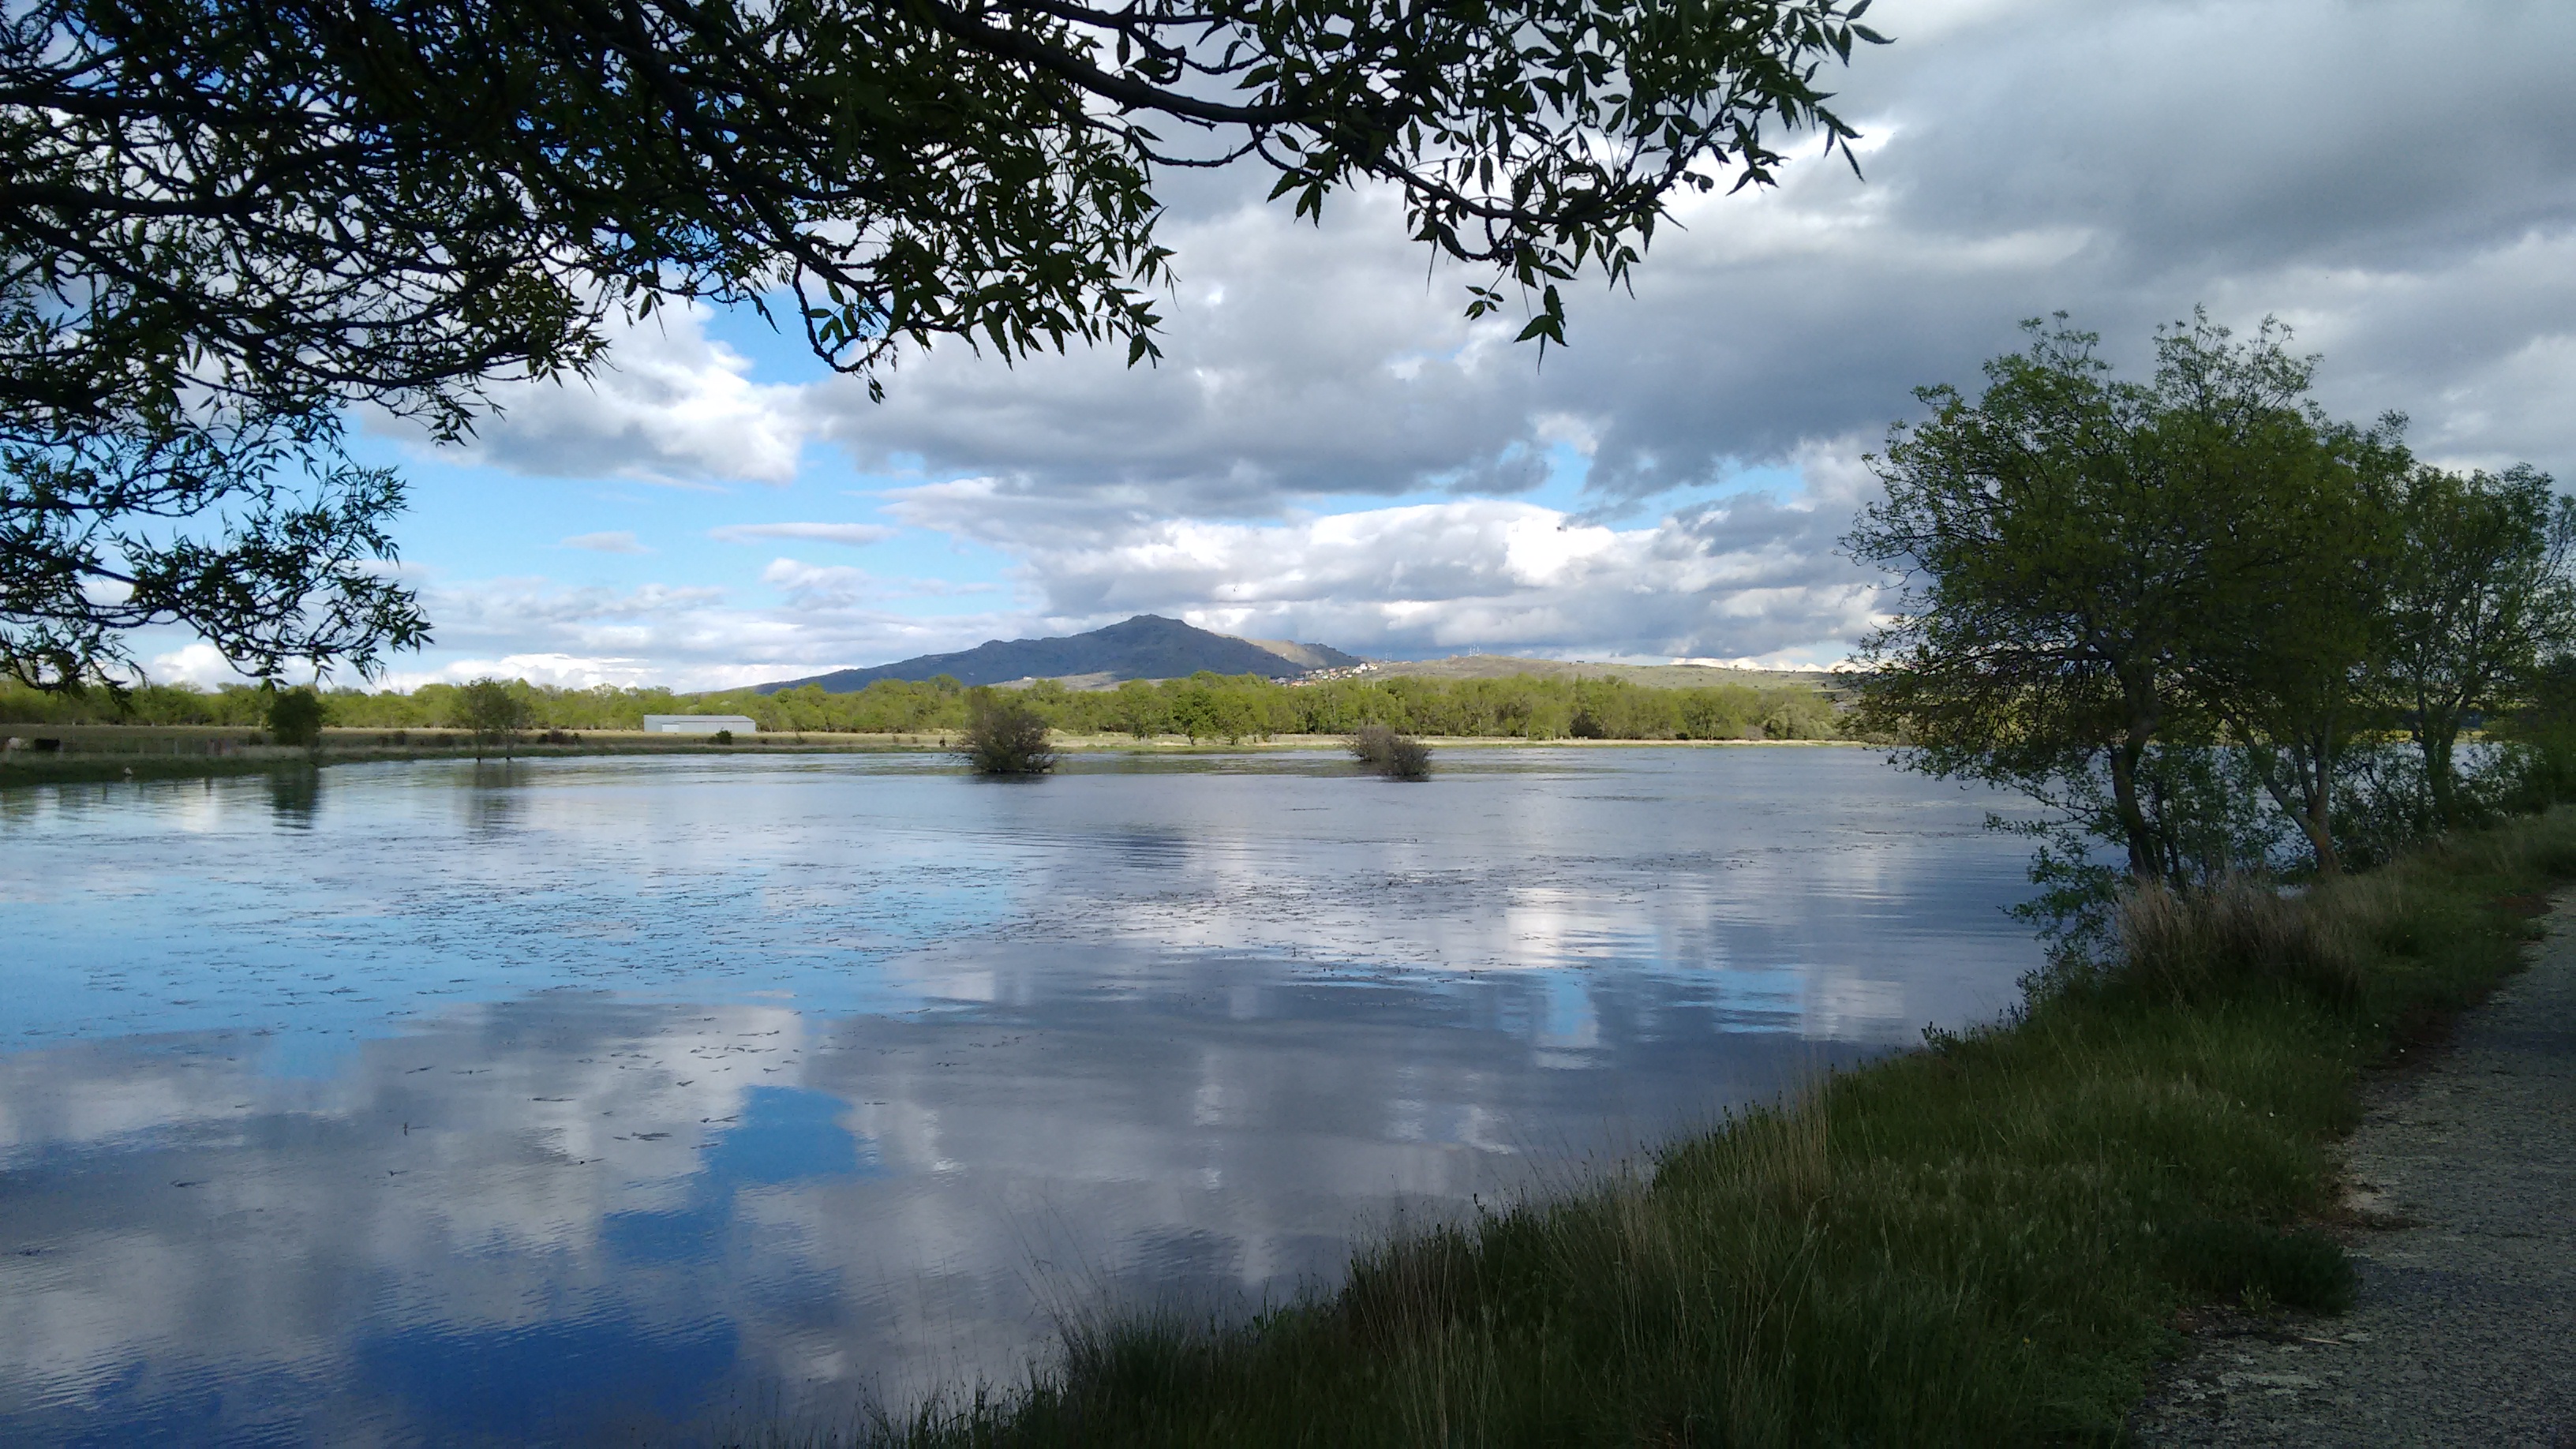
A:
667, 1089
292, 797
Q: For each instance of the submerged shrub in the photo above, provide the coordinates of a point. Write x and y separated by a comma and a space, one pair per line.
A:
1396, 756
1006, 738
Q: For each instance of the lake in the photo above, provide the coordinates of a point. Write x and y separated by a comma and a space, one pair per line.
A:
614, 1100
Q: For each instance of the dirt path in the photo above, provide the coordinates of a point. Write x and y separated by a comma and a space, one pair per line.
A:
2465, 1333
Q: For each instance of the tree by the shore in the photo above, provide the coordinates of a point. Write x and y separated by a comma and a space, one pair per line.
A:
493, 712
2186, 613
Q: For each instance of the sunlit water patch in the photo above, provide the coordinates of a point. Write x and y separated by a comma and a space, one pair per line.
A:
583, 1101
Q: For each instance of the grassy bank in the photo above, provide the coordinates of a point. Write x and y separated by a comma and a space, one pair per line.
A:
1983, 1241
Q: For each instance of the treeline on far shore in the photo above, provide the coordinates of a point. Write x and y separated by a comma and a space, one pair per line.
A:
1202, 707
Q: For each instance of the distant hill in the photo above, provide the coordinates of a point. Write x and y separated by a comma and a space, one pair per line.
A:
1308, 656
1147, 646
1663, 676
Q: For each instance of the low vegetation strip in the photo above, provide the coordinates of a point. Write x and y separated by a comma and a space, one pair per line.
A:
1986, 1240
1202, 707
90, 753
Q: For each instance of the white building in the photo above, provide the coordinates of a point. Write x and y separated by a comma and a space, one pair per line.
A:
699, 724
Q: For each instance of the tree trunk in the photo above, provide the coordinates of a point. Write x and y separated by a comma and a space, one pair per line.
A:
2144, 862
2301, 782
2318, 822
2436, 738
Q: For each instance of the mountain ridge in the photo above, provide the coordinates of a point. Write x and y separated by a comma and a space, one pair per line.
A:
1145, 646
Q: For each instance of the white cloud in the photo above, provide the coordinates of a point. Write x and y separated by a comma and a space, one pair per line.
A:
856, 535
619, 542
1743, 576
669, 406
821, 585
826, 617
566, 670
200, 664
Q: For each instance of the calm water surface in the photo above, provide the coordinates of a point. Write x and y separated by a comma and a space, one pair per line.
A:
582, 1101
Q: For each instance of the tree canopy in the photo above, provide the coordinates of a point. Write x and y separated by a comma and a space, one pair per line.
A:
492, 712
223, 220
2152, 605
2075, 546
2480, 604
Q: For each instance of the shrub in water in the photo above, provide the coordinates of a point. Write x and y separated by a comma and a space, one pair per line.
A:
1006, 739
1396, 756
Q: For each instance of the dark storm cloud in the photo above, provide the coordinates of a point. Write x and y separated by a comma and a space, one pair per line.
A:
2398, 180
2123, 162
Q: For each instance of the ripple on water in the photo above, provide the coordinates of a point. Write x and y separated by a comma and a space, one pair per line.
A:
576, 1099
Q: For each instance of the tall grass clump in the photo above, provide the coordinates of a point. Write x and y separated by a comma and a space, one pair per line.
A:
1981, 1242
1005, 737
2188, 945
1384, 751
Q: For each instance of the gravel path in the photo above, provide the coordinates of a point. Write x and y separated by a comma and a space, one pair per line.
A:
2465, 1332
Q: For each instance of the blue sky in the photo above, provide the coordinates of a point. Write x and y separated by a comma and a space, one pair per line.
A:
1330, 451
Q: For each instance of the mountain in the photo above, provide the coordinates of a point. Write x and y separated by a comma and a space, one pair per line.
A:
1667, 676
1145, 647
1308, 656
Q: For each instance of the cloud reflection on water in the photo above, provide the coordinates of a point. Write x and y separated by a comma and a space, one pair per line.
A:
680, 1088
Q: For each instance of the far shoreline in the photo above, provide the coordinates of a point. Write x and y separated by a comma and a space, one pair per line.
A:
85, 754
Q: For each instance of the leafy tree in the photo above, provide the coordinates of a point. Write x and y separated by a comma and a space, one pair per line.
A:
255, 533
2542, 730
1796, 714
221, 220
2052, 582
2479, 597
2206, 812
1529, 706
295, 718
1207, 705
493, 712
1139, 709
2095, 568
2284, 658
